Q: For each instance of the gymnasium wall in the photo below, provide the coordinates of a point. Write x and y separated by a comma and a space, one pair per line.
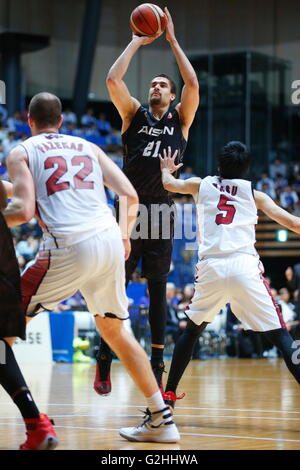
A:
268, 26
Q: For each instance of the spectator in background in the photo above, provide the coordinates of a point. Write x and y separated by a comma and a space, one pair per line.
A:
88, 119
265, 180
294, 167
72, 129
187, 173
293, 282
277, 167
114, 140
92, 135
267, 189
9, 142
288, 198
289, 313
27, 247
280, 184
13, 121
188, 292
69, 117
171, 295
174, 326
103, 125
117, 157
286, 306
20, 258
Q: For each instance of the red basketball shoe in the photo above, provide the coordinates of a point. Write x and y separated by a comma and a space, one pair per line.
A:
40, 434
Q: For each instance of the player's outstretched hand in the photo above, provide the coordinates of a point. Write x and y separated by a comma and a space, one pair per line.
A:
170, 31
143, 40
168, 160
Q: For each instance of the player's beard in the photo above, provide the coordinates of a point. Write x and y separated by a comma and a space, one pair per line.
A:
154, 100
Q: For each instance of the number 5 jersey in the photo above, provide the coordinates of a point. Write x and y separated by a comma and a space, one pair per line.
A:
227, 216
70, 196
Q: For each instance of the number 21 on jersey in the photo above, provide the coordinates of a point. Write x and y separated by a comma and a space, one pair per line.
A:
154, 144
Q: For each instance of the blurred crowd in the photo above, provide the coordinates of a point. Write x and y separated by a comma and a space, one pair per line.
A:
281, 181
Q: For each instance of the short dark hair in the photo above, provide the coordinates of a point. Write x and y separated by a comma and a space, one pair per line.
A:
45, 109
172, 83
234, 160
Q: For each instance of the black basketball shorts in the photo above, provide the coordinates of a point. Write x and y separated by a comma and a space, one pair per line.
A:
12, 318
152, 241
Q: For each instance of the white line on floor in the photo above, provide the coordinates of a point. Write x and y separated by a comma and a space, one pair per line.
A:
182, 433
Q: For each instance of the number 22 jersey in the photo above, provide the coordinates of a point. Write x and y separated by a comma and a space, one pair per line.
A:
227, 216
69, 190
143, 141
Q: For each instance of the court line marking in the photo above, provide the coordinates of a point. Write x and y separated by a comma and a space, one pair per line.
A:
144, 406
221, 377
177, 416
182, 433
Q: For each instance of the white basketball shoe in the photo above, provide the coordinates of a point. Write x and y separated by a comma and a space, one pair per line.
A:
156, 427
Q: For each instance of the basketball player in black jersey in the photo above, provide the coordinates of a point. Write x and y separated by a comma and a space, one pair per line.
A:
145, 132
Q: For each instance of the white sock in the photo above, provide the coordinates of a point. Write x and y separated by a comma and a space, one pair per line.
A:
155, 402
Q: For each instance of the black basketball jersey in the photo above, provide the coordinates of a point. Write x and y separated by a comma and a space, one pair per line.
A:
143, 141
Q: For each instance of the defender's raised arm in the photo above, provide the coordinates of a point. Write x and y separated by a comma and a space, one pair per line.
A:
272, 210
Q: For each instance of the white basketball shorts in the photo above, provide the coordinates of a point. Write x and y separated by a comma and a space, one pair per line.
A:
237, 279
95, 267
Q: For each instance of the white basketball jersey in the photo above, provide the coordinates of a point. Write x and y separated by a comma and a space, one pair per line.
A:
227, 216
70, 195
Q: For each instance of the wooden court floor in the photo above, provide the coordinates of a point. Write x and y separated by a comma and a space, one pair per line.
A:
229, 404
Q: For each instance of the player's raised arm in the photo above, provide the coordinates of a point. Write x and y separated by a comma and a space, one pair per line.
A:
190, 92
22, 206
167, 165
119, 93
272, 210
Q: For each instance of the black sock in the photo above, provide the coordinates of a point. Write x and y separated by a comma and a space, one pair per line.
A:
104, 351
157, 357
182, 353
104, 358
283, 341
13, 382
157, 311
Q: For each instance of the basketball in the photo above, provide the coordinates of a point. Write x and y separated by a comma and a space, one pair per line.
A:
148, 20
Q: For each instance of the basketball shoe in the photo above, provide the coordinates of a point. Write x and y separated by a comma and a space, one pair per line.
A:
156, 427
102, 383
40, 434
170, 399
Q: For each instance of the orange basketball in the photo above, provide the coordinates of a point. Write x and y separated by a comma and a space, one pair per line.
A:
148, 20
